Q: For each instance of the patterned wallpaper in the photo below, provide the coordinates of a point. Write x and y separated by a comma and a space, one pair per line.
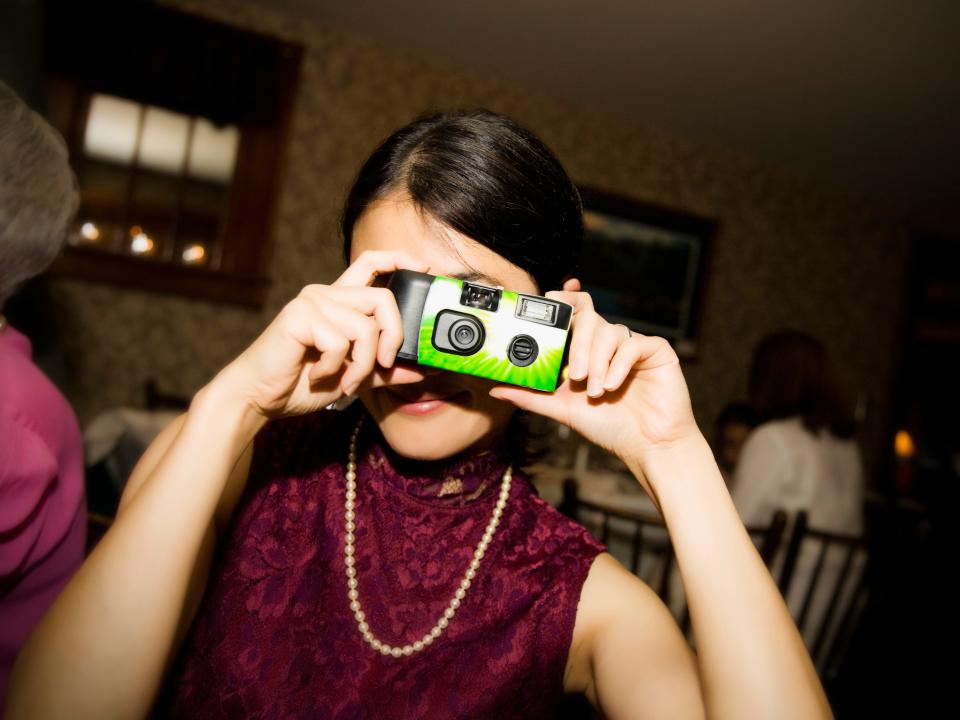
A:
787, 254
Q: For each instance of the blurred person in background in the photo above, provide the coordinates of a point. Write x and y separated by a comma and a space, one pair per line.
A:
802, 455
734, 426
42, 508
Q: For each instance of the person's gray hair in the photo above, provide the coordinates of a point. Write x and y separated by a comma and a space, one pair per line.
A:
38, 193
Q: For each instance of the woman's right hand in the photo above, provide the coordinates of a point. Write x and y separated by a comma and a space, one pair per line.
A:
151, 568
325, 343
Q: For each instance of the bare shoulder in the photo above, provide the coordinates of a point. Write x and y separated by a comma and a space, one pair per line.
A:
627, 654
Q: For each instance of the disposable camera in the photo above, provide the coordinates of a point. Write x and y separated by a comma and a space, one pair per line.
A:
479, 330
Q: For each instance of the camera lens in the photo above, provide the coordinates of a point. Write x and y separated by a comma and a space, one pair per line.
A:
465, 334
457, 333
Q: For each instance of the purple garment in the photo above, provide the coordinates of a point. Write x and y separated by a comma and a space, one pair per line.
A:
275, 637
42, 508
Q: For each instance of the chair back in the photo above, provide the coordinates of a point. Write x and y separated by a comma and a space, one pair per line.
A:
824, 580
648, 535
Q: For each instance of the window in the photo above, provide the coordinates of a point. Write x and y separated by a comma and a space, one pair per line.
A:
155, 183
176, 148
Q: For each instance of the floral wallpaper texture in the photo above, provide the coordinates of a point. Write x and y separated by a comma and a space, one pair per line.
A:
786, 255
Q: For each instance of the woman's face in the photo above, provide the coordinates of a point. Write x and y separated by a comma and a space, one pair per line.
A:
446, 412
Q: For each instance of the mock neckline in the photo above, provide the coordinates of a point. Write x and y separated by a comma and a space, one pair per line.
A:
457, 481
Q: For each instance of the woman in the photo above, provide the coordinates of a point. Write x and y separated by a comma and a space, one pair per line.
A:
42, 509
287, 629
802, 456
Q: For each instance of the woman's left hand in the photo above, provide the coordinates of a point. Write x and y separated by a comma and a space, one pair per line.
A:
624, 391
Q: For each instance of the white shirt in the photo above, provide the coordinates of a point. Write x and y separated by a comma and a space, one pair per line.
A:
785, 466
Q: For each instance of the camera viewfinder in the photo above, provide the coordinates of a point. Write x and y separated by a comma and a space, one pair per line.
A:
480, 297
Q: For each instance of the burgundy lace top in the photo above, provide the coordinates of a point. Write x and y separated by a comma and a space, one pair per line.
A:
275, 637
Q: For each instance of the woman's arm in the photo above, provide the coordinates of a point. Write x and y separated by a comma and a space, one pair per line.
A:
628, 655
155, 453
751, 659
626, 393
102, 648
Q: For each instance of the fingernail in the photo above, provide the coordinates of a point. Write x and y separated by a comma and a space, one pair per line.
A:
594, 388
350, 389
577, 372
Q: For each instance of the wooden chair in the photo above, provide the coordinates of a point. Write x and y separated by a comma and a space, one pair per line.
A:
846, 591
767, 538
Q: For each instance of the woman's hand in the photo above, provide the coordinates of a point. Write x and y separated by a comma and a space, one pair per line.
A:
624, 391
325, 343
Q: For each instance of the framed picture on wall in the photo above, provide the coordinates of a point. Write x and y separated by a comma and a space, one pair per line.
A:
646, 266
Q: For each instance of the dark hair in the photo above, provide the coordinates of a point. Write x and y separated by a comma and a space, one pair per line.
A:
486, 177
490, 179
739, 413
791, 375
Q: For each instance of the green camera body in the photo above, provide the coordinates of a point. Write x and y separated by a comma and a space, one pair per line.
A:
479, 330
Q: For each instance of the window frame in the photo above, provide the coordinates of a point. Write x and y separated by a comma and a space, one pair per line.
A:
242, 277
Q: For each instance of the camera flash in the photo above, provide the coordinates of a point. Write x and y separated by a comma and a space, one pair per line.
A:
536, 310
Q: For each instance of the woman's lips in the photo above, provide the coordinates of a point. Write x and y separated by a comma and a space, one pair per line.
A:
420, 403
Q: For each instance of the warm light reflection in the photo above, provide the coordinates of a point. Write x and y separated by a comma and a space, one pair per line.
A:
903, 445
90, 232
194, 254
141, 244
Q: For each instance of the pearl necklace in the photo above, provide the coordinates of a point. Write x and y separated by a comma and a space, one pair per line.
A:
349, 553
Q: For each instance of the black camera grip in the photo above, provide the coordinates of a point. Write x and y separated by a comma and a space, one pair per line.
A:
410, 288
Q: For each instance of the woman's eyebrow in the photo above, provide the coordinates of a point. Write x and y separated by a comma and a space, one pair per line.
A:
479, 277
